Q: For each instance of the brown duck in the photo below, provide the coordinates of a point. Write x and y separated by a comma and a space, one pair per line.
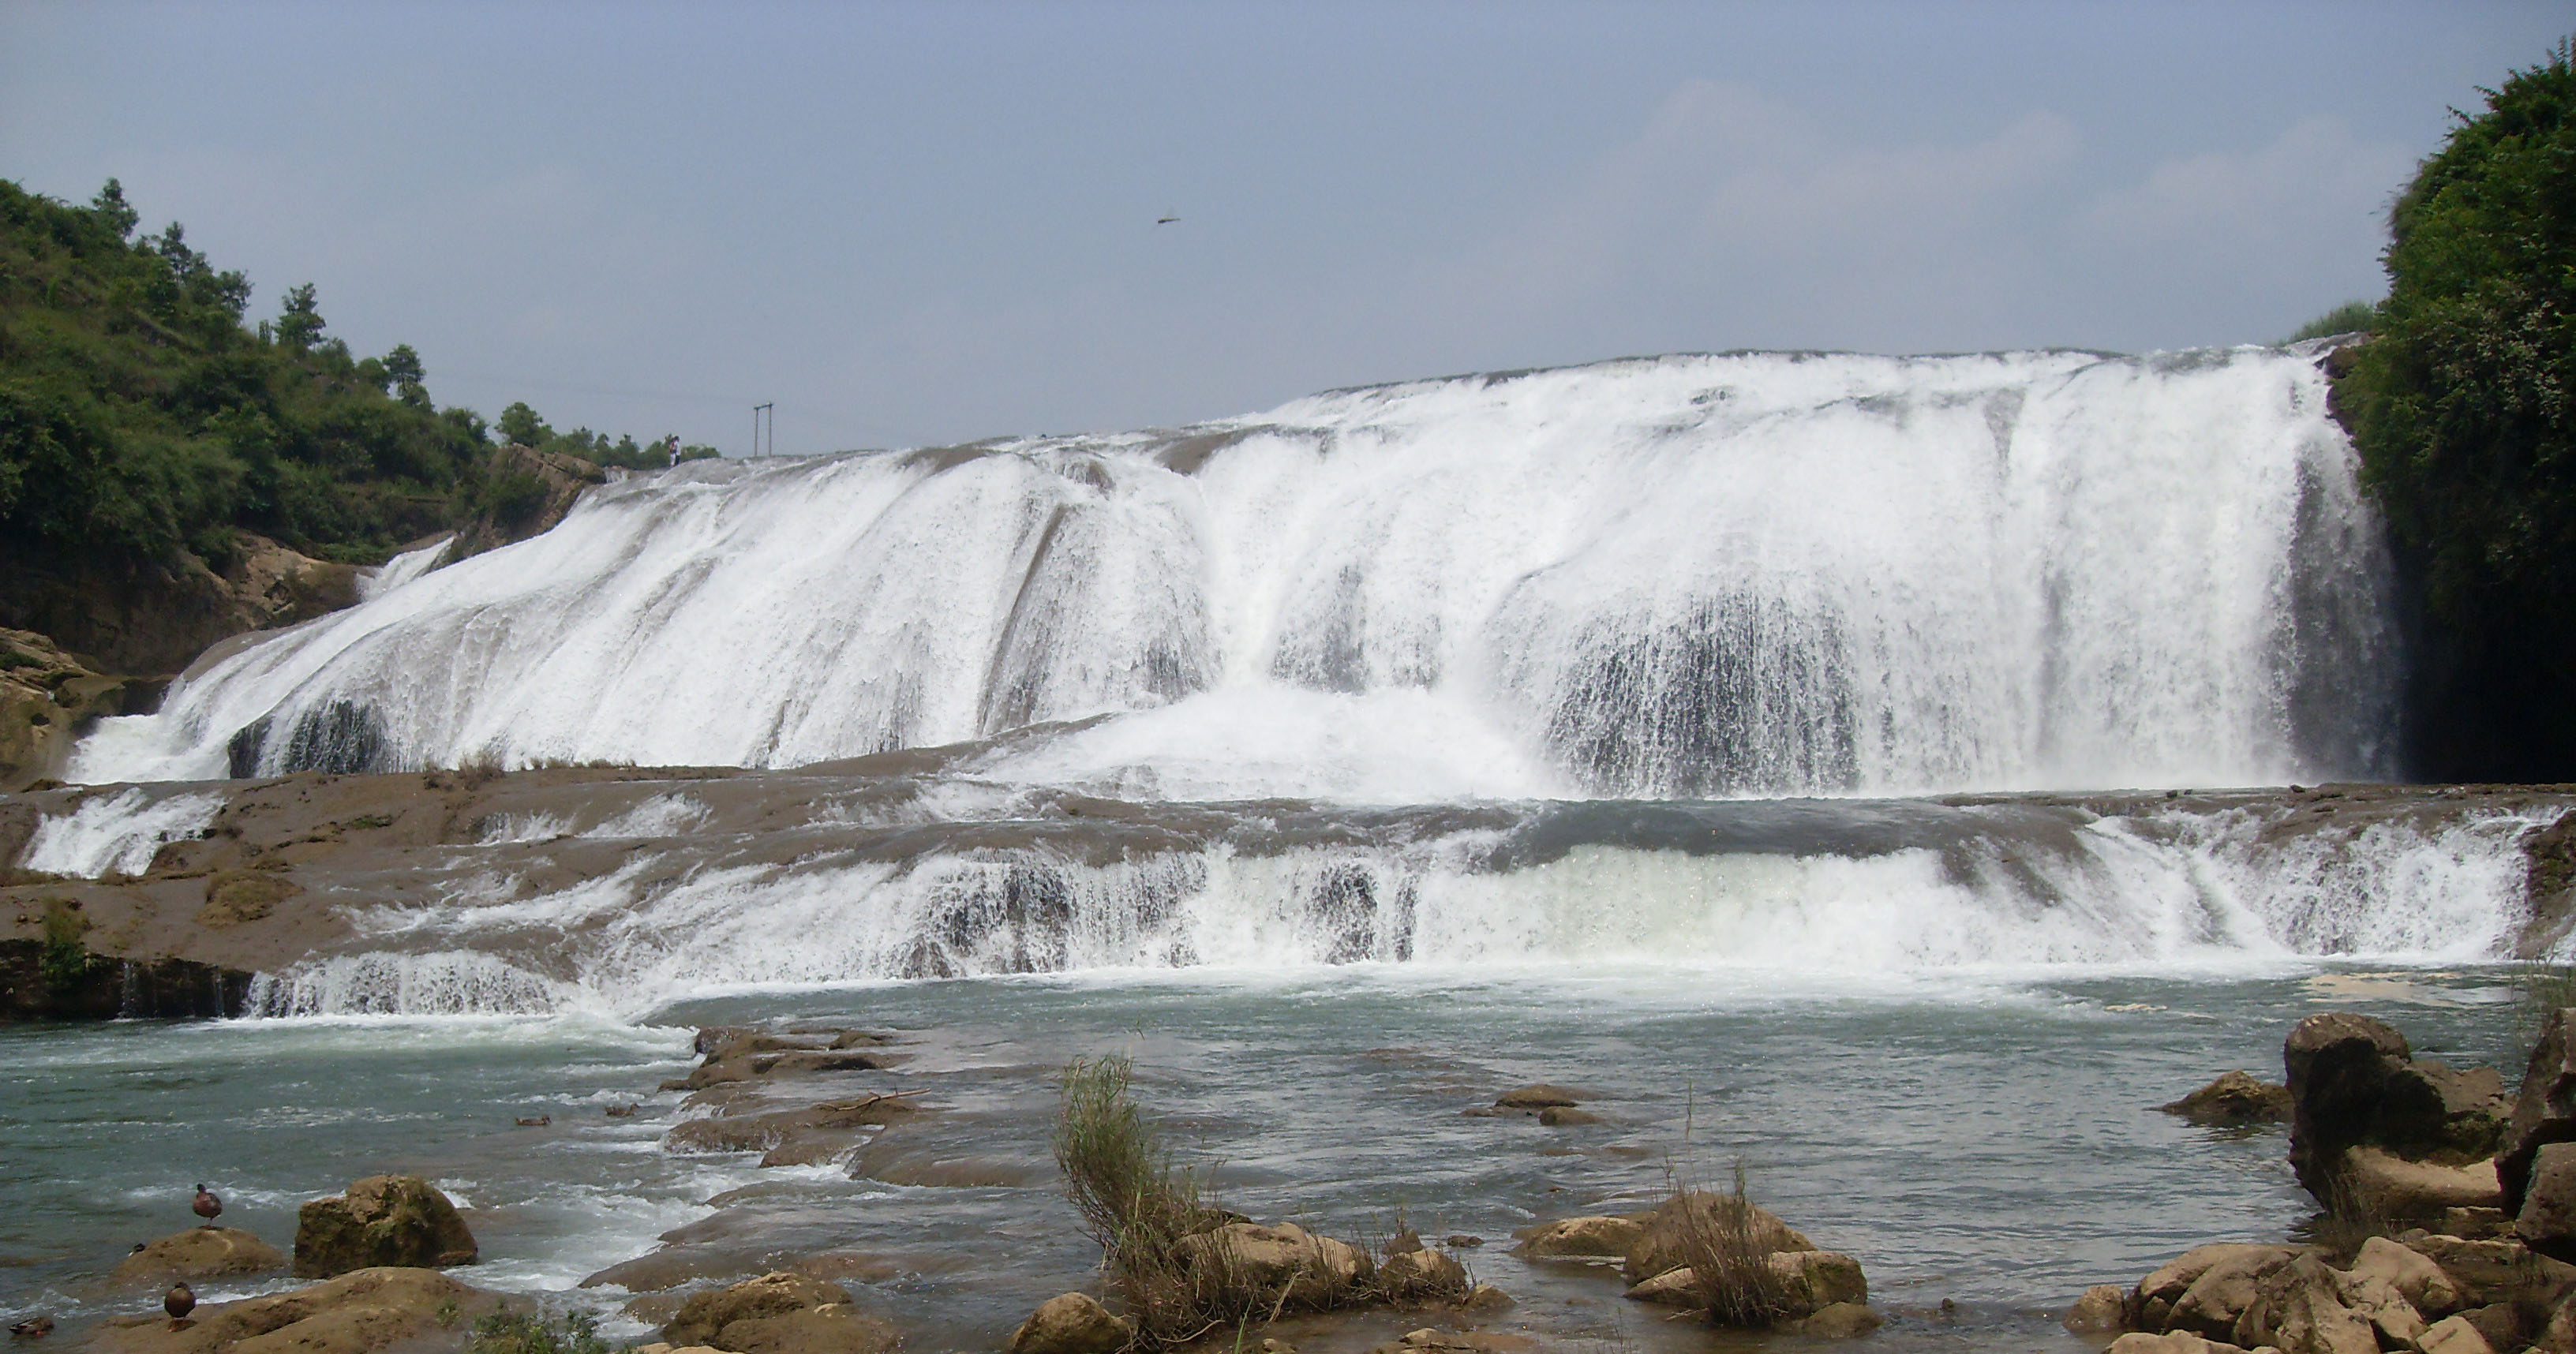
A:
207, 1205
178, 1302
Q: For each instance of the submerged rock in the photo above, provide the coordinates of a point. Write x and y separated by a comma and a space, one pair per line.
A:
705, 1315
1588, 1236
383, 1220
2102, 1310
2234, 1098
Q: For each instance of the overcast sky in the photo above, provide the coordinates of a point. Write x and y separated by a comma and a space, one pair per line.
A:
911, 224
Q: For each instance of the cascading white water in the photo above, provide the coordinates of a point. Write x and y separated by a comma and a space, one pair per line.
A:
1735, 575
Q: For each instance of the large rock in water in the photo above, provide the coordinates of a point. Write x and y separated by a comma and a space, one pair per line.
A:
199, 1253
1659, 1249
1315, 1271
357, 1313
2234, 1098
2339, 1064
2355, 1089
382, 1220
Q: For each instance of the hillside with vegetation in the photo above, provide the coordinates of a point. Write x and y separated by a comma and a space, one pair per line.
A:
160, 453
2460, 405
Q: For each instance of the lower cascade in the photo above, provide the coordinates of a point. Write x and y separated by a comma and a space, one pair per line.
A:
1718, 576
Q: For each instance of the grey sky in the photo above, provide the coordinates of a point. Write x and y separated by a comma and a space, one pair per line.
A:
918, 223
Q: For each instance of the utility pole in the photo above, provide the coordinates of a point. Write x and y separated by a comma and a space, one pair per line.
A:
757, 410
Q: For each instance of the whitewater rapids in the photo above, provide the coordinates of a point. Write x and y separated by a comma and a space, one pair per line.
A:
1716, 576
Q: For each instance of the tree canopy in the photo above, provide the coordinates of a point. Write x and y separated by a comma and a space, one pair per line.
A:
2460, 408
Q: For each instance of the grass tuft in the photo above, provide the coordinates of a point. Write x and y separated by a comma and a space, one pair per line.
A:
1730, 1259
1140, 1205
509, 1332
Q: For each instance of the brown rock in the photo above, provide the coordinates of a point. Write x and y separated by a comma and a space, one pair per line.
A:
1672, 1288
2179, 1342
1840, 1321
830, 1329
2545, 1111
2234, 1098
1315, 1271
2215, 1300
2421, 1282
2453, 1335
2151, 1304
1816, 1280
361, 1312
765, 1132
1566, 1116
1584, 1236
1660, 1247
705, 1316
2547, 1222
1071, 1323
383, 1220
2299, 1310
1423, 1275
2338, 1065
2376, 1184
2492, 1272
2102, 1310
2395, 1319
1538, 1096
199, 1253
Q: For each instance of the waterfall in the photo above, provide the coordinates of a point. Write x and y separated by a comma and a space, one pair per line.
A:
1710, 576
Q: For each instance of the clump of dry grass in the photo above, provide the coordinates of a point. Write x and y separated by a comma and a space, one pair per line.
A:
1140, 1205
1729, 1255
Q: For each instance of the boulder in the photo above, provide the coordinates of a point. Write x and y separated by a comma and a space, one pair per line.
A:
1660, 1247
2421, 1282
1423, 1275
383, 1220
2427, 1109
2453, 1335
1071, 1323
2374, 1183
2215, 1301
829, 1329
1566, 1116
2547, 1220
2178, 1342
1314, 1271
705, 1316
1815, 1280
199, 1253
2151, 1304
2395, 1319
2299, 1310
2234, 1098
2338, 1065
2102, 1310
1583, 1236
360, 1312
2545, 1111
1841, 1321
2492, 1272
1672, 1288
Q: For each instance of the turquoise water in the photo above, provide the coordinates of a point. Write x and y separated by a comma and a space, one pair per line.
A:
1987, 1138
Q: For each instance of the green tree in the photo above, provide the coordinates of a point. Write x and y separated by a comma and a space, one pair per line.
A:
109, 207
299, 321
520, 425
2460, 407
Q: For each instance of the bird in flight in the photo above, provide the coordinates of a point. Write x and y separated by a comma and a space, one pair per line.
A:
1165, 220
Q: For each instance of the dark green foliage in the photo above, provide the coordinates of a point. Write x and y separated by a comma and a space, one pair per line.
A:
64, 962
509, 1332
2460, 408
521, 425
139, 418
2352, 317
